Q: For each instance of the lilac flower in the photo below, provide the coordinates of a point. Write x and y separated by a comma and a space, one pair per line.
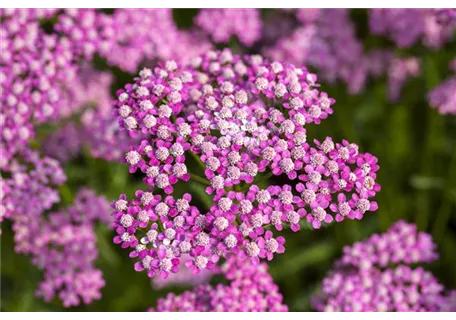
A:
240, 118
446, 16
408, 26
29, 192
146, 34
89, 31
183, 277
101, 134
222, 24
63, 246
443, 97
63, 144
317, 43
376, 275
399, 71
251, 288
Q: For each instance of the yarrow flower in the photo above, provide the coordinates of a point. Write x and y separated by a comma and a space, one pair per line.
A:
378, 274
317, 42
141, 35
40, 74
443, 97
29, 185
90, 100
184, 277
238, 120
446, 16
63, 245
63, 144
251, 288
408, 26
399, 71
222, 24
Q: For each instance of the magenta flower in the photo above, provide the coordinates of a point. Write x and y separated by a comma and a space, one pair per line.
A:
250, 288
376, 275
268, 245
222, 24
239, 118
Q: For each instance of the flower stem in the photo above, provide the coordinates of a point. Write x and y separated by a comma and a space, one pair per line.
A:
198, 160
66, 194
199, 179
444, 213
257, 182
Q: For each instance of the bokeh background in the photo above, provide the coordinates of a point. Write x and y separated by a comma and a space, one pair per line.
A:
416, 148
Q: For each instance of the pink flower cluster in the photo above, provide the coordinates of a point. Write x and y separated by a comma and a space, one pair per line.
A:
41, 80
446, 16
378, 274
251, 288
63, 245
64, 144
90, 100
184, 277
399, 71
222, 24
90, 89
89, 93
320, 34
29, 192
304, 15
406, 27
41, 77
443, 97
148, 34
318, 42
242, 118
33, 68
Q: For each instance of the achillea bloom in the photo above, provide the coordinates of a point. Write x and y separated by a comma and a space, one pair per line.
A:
443, 97
222, 24
35, 68
101, 134
243, 120
90, 89
408, 26
28, 14
318, 42
63, 245
378, 275
143, 35
251, 288
308, 15
30, 186
89, 31
40, 77
446, 16
98, 130
399, 71
183, 278
63, 144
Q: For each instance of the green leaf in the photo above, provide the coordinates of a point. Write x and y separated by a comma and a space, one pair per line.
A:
297, 261
105, 246
426, 183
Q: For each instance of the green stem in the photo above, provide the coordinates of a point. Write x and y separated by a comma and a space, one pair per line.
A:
66, 194
444, 212
199, 179
257, 182
198, 160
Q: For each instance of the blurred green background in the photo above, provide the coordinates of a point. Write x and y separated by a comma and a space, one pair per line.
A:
416, 147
